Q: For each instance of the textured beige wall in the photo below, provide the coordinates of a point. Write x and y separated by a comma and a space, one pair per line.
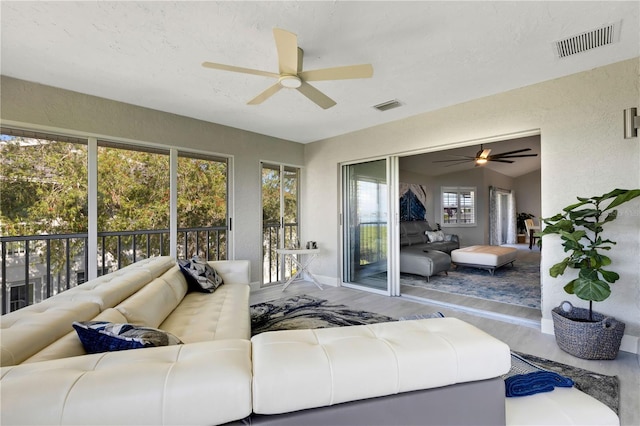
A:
528, 197
35, 106
583, 154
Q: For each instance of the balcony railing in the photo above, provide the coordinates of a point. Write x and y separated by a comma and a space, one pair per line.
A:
371, 240
35, 267
272, 271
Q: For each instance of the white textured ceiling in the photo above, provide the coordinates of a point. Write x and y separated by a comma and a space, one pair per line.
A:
425, 54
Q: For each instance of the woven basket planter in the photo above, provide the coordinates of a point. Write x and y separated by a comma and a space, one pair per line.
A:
575, 334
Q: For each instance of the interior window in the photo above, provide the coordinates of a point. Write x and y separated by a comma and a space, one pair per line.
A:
458, 206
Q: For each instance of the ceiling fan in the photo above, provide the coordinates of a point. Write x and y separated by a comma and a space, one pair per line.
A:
483, 156
290, 74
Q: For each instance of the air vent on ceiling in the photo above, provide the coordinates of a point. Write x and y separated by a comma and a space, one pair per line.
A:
384, 106
587, 40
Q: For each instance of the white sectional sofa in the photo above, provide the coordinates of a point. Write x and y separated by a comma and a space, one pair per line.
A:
409, 372
221, 375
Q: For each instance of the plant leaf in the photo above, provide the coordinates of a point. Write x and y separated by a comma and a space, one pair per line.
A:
569, 287
588, 287
581, 214
582, 202
622, 196
611, 216
558, 268
610, 276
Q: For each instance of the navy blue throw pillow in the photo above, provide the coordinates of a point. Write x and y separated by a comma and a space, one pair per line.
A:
103, 336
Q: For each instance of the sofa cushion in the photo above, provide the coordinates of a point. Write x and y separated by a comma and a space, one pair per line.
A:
151, 304
212, 316
412, 233
107, 290
69, 345
27, 331
154, 266
200, 383
200, 276
233, 271
103, 336
110, 289
176, 281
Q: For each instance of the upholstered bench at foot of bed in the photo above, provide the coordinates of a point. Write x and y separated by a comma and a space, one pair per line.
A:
484, 257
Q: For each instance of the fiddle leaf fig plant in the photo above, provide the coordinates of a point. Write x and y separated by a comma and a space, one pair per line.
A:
580, 227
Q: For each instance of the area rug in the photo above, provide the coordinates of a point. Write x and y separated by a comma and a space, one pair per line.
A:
605, 389
517, 285
299, 312
302, 312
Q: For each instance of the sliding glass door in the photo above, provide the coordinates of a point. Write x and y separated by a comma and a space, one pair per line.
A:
368, 254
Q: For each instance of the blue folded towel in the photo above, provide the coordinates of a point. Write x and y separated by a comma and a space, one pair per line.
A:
526, 378
535, 382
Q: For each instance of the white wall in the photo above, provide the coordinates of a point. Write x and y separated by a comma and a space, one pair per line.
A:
583, 154
35, 106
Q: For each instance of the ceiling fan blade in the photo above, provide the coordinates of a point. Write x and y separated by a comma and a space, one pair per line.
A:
338, 73
501, 161
485, 153
287, 45
300, 57
271, 90
513, 156
458, 163
224, 67
316, 96
458, 159
512, 152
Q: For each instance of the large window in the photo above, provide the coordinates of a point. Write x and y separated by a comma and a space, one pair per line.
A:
458, 206
46, 218
133, 196
202, 206
43, 215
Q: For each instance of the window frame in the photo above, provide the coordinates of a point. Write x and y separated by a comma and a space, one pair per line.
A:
459, 191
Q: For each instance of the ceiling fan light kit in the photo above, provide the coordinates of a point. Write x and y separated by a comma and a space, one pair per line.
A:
291, 75
290, 81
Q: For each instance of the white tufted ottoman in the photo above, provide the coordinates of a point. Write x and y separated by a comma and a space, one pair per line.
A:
300, 369
484, 257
